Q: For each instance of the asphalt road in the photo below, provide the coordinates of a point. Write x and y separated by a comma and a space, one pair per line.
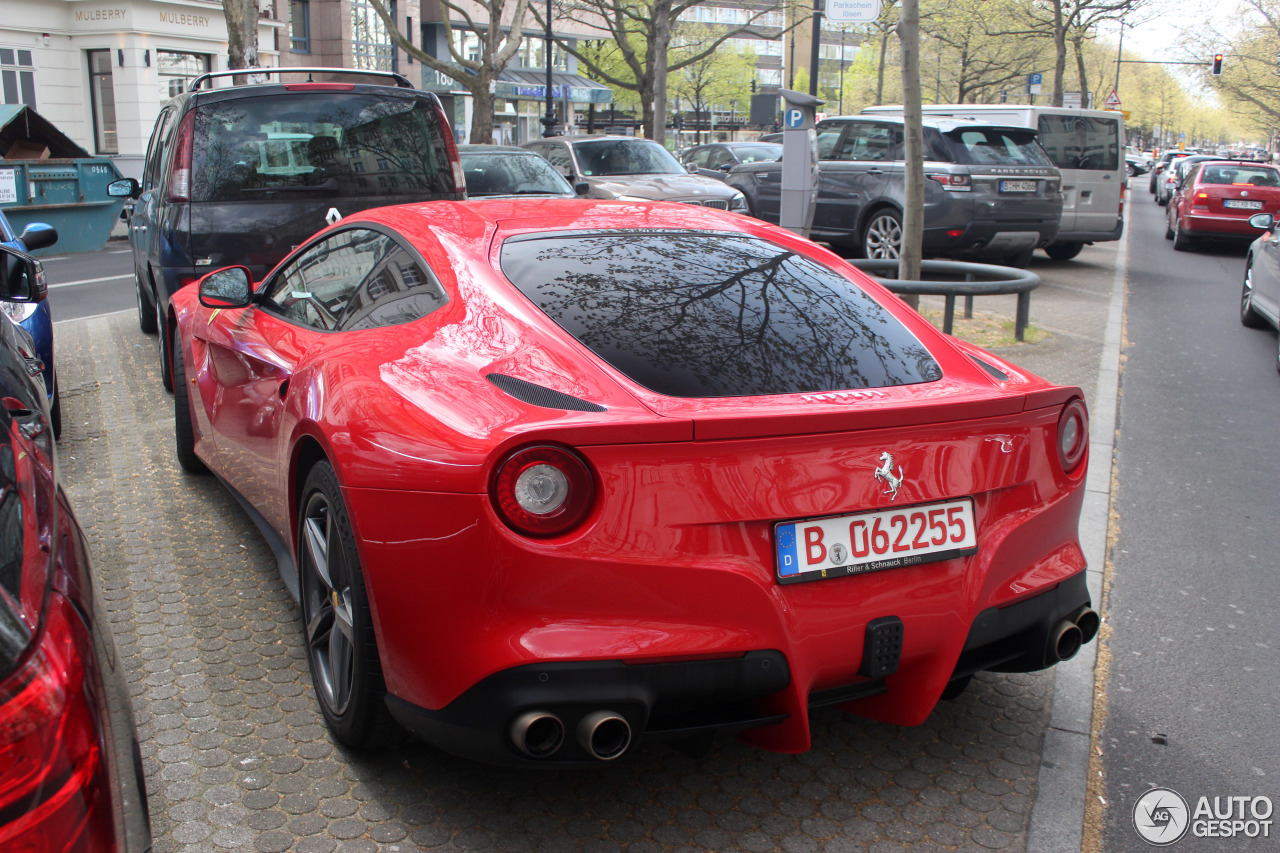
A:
1193, 701
89, 283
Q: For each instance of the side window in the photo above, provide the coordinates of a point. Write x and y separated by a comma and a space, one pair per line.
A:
829, 147
317, 287
399, 290
719, 158
558, 157
699, 157
870, 142
153, 168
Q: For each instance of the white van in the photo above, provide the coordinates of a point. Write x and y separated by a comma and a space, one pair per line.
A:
1088, 148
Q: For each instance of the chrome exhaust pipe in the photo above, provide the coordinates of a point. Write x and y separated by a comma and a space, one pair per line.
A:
604, 735
538, 734
1088, 621
1064, 641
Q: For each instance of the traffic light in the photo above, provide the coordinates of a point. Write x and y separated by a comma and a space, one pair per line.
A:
1217, 64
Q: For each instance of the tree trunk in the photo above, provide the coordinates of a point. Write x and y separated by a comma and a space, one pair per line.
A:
1080, 72
242, 35
657, 127
1059, 53
884, 49
913, 133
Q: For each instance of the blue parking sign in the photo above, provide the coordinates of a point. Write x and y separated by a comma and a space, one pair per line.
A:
795, 117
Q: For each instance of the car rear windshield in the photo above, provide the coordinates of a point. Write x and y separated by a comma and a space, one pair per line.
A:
337, 145
1081, 142
995, 146
1254, 176
715, 315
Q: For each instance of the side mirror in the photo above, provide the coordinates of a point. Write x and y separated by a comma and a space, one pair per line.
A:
24, 279
691, 167
124, 188
1262, 221
582, 188
38, 235
724, 167
229, 287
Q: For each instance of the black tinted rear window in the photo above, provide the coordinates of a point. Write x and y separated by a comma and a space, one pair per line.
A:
330, 144
715, 315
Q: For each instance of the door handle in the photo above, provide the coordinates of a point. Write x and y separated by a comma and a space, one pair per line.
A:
875, 171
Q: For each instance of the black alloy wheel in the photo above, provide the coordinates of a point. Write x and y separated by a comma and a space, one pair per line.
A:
882, 238
1248, 316
184, 433
337, 622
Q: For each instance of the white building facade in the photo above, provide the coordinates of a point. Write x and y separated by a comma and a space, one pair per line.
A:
100, 70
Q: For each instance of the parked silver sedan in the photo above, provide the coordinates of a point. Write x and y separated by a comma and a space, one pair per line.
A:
1260, 294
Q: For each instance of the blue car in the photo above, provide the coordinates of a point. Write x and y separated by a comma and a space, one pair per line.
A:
35, 316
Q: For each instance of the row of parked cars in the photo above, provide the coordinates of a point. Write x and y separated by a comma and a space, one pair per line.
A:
554, 391
1210, 199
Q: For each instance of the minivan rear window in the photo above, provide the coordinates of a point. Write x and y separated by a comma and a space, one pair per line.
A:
319, 144
1081, 142
715, 315
993, 146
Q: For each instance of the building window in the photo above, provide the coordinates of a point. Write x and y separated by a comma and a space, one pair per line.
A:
102, 97
18, 76
371, 46
300, 26
177, 70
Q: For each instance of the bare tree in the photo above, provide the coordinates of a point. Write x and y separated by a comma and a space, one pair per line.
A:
1064, 19
642, 31
477, 76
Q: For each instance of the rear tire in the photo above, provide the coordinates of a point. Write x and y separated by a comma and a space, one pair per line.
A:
166, 363
55, 410
146, 308
1063, 251
183, 428
337, 622
882, 238
1247, 315
1181, 242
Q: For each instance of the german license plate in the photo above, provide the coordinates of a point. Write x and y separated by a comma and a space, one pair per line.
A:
873, 541
1017, 186
1241, 204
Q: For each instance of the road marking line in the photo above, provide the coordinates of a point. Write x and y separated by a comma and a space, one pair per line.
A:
91, 281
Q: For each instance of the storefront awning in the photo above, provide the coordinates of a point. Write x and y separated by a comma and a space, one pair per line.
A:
532, 86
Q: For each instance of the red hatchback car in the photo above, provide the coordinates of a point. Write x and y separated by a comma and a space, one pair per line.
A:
551, 478
1217, 198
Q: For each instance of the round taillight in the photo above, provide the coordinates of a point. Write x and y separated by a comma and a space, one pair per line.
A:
543, 491
1073, 435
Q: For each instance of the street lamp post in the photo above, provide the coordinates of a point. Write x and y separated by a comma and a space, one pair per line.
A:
549, 120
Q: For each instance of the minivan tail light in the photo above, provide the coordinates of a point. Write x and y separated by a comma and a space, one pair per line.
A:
451, 150
544, 490
955, 183
180, 171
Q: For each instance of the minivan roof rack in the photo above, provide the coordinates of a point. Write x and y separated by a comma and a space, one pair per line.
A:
401, 80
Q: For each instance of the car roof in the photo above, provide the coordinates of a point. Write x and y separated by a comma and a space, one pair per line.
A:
943, 124
476, 148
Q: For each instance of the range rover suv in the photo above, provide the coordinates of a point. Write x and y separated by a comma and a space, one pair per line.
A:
991, 193
242, 175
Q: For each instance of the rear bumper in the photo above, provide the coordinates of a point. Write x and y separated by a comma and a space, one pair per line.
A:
991, 238
1216, 227
692, 701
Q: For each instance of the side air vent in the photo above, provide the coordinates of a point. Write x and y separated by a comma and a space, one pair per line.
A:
994, 371
536, 395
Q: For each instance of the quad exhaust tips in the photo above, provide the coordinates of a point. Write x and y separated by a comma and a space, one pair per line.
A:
1071, 633
603, 735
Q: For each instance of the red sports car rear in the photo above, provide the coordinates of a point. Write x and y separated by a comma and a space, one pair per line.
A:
633, 471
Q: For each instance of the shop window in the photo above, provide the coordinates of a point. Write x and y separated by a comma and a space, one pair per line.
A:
102, 95
177, 70
17, 76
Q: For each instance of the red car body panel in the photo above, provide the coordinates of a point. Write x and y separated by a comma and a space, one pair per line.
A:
676, 560
1201, 206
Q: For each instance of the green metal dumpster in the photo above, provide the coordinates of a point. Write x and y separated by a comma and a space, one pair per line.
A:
53, 180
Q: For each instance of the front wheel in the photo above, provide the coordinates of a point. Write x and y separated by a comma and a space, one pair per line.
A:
1247, 315
882, 238
1063, 251
337, 621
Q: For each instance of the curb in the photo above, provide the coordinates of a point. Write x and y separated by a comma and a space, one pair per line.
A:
1057, 816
